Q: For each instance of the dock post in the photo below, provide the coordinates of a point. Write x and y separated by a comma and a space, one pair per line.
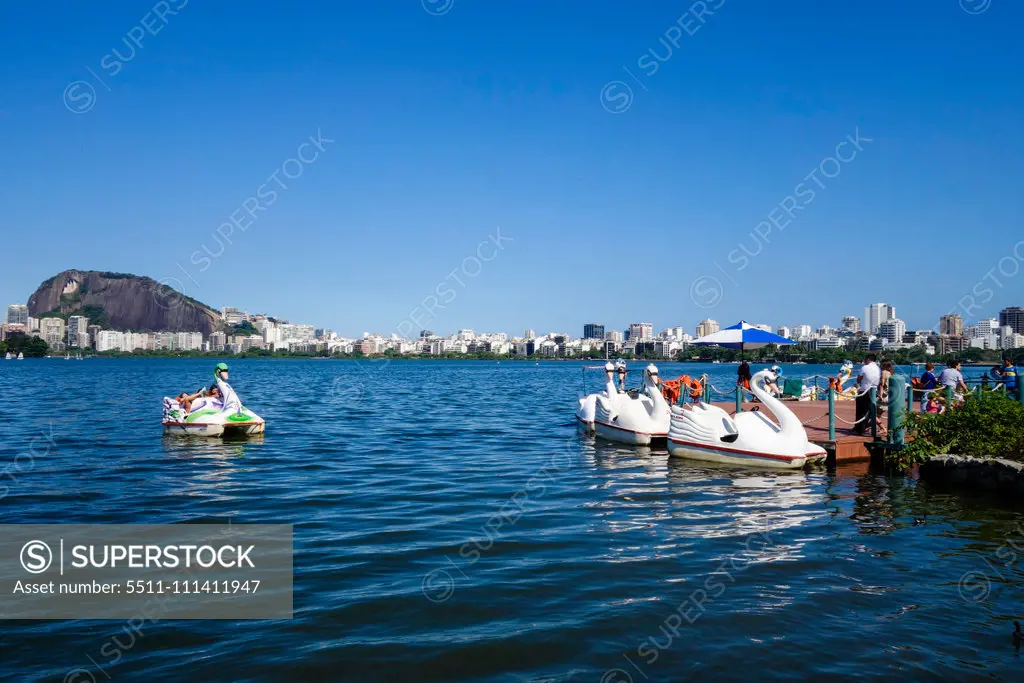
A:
897, 408
831, 414
739, 398
873, 412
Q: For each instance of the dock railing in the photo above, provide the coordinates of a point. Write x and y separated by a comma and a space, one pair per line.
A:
900, 401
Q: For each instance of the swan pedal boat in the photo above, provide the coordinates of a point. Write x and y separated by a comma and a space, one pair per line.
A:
631, 418
210, 417
588, 404
706, 432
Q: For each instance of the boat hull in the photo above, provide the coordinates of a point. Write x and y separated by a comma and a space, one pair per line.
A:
584, 426
215, 430
612, 432
731, 456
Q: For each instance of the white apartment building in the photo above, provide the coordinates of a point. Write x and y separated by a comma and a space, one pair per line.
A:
218, 340
233, 316
52, 331
298, 333
641, 331
985, 327
876, 314
892, 330
828, 343
109, 340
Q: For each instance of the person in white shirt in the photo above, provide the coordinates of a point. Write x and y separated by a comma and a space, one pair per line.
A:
869, 377
951, 377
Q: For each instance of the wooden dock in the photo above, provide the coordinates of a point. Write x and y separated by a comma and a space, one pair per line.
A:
847, 447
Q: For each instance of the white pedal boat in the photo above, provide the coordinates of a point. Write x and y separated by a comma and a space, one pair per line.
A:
706, 432
637, 418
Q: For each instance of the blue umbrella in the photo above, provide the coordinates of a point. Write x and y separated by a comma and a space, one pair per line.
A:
742, 336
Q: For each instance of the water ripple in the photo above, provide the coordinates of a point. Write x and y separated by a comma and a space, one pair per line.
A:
451, 526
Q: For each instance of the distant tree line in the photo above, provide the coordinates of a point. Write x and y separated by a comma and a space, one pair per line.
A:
30, 347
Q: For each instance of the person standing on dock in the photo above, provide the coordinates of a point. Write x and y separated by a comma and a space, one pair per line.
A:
951, 377
869, 378
743, 375
1008, 374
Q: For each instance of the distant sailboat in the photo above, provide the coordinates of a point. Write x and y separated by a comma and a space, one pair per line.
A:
8, 356
78, 356
21, 356
67, 356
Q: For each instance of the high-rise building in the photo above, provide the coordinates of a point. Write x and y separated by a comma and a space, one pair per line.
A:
783, 331
876, 314
593, 331
78, 331
706, 327
851, 324
109, 340
218, 340
675, 333
613, 336
529, 334
1012, 316
950, 344
986, 326
892, 330
51, 330
951, 324
641, 331
17, 314
801, 332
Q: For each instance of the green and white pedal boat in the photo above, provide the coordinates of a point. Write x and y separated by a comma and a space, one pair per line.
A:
210, 417
213, 422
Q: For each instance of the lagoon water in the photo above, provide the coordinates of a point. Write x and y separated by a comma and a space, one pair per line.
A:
451, 526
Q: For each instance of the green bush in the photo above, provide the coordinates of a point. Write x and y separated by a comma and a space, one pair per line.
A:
990, 428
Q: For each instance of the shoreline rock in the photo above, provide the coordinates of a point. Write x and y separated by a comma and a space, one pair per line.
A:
994, 475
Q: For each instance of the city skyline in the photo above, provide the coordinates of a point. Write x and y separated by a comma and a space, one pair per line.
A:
259, 331
875, 315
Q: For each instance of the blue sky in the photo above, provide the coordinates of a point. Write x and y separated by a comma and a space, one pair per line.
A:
452, 119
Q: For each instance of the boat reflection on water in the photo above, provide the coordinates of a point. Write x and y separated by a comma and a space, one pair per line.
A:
678, 504
609, 455
192, 446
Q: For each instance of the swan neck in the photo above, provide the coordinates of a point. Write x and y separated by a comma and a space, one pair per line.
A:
787, 420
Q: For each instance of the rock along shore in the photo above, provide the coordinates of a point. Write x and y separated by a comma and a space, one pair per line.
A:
986, 474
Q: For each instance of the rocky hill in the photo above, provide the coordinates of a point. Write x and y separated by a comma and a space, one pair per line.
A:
119, 301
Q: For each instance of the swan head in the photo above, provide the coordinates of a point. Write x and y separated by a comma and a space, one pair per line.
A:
651, 373
609, 369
